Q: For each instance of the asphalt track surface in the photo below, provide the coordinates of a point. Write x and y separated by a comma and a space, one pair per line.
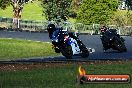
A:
91, 41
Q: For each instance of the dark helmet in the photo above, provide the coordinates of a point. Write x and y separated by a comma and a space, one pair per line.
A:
64, 18
103, 28
51, 28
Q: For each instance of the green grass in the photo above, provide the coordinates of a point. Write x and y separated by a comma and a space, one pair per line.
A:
31, 11
11, 49
62, 76
122, 12
72, 20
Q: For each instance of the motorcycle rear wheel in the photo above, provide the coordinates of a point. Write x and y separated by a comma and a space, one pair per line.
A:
84, 51
120, 46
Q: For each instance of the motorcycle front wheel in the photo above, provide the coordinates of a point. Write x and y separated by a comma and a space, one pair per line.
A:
67, 51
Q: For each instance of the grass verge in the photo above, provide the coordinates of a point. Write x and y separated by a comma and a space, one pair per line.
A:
61, 76
11, 49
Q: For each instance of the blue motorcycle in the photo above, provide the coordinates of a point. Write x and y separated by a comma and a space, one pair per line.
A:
68, 44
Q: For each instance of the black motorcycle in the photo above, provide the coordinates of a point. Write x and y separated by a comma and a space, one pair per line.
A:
110, 39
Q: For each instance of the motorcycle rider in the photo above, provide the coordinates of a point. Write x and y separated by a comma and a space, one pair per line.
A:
103, 29
54, 32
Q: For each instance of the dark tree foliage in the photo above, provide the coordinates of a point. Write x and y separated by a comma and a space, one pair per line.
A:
96, 11
56, 8
75, 5
129, 4
4, 3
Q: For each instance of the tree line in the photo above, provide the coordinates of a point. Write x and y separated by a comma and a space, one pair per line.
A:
84, 11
